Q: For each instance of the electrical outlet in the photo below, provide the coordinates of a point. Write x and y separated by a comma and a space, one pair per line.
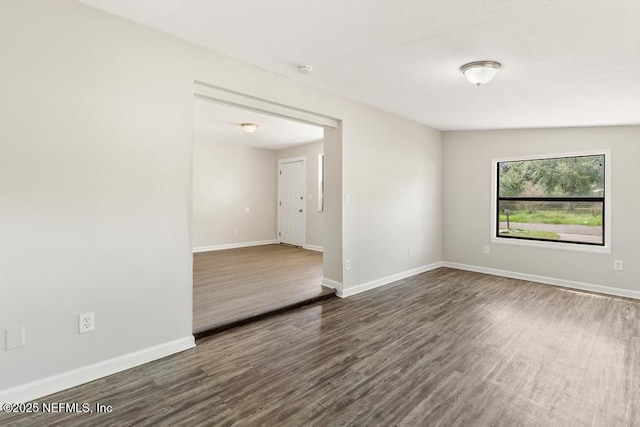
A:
86, 322
347, 264
235, 232
485, 250
410, 250
617, 265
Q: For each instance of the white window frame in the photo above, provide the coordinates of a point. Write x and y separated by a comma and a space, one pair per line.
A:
605, 249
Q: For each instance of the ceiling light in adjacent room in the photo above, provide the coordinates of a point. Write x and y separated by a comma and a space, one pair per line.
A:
480, 72
249, 127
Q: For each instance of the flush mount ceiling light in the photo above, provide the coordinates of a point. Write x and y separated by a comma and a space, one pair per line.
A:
249, 127
305, 69
480, 72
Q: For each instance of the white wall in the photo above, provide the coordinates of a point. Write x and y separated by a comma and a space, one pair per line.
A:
467, 203
314, 220
95, 177
392, 173
227, 179
95, 181
333, 223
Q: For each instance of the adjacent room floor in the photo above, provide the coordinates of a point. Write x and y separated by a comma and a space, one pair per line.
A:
236, 284
446, 347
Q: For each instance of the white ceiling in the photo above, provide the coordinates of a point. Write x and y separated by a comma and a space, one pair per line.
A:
565, 62
222, 123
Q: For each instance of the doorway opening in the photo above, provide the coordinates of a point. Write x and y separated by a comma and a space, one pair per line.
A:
256, 231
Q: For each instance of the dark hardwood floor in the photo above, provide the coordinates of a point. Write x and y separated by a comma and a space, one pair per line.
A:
443, 348
236, 284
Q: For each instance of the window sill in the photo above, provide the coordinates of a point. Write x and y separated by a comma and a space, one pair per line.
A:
571, 247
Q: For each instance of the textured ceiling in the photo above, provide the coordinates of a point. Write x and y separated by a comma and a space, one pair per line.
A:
565, 62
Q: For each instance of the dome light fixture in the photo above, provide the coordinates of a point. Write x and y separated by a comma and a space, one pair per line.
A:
480, 72
249, 127
305, 69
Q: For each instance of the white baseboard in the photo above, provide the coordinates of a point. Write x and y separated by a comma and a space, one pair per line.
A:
343, 293
332, 284
547, 280
234, 246
76, 377
313, 248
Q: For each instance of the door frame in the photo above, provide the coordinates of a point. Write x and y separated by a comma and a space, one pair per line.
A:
220, 95
303, 159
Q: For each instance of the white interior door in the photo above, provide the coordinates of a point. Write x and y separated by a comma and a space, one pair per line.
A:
291, 180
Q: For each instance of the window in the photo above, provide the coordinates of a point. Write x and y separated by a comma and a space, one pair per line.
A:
553, 199
320, 182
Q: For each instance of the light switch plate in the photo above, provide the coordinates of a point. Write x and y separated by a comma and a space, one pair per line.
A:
14, 338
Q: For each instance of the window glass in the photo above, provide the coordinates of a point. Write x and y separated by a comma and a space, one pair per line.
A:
555, 199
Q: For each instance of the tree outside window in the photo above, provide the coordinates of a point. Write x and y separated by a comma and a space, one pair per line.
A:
552, 199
